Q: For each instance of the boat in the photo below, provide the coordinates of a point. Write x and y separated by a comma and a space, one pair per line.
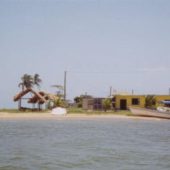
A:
149, 113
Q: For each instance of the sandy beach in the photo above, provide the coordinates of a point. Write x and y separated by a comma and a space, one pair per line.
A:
70, 116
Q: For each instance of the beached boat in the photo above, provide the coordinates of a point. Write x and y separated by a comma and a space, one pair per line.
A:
149, 113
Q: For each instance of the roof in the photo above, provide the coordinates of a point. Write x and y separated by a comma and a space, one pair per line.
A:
38, 97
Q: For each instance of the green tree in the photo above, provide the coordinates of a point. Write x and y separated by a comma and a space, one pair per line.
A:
37, 80
150, 101
58, 102
79, 99
106, 104
26, 81
60, 90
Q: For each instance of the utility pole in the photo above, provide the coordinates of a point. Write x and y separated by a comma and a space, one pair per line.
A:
169, 91
65, 84
110, 91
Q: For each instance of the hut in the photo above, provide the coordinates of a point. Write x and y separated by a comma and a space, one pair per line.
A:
37, 98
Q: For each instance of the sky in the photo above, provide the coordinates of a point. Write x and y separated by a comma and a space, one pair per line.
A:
123, 44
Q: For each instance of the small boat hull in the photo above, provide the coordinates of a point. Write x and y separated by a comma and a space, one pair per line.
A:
149, 113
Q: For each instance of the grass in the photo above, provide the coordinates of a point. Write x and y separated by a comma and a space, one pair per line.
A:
74, 110
95, 112
10, 110
20, 111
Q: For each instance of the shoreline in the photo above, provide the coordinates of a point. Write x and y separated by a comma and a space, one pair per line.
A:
69, 116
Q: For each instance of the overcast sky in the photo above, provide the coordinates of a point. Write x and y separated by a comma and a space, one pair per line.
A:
100, 43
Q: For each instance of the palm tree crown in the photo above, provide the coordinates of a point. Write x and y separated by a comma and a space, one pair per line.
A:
29, 81
37, 80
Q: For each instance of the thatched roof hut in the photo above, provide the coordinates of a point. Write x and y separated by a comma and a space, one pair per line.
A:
37, 98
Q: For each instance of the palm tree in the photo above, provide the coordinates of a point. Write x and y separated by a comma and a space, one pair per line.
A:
60, 90
37, 80
27, 81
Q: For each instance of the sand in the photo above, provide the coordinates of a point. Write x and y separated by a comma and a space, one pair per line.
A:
70, 116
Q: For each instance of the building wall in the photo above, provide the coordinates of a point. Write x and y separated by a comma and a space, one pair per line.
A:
96, 103
92, 103
131, 100
87, 103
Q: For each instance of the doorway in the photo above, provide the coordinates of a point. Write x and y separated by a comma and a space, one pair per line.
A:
123, 104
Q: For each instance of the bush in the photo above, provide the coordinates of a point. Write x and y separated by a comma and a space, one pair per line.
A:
150, 101
106, 104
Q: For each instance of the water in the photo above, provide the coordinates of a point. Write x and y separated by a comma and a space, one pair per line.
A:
85, 144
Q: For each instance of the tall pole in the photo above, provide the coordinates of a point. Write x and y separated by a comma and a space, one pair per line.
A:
110, 91
169, 91
65, 79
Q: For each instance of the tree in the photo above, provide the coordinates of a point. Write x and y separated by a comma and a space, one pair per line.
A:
106, 104
78, 100
59, 102
28, 81
150, 101
37, 80
60, 90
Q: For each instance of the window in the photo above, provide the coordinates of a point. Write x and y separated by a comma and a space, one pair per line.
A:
135, 101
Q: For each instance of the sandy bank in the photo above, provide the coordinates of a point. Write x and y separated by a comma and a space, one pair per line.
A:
70, 116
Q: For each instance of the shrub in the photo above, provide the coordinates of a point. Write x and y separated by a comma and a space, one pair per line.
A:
106, 104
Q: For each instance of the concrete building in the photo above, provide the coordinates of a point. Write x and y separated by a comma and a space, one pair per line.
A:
122, 102
92, 103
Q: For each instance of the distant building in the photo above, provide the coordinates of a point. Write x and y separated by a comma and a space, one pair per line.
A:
119, 102
122, 102
92, 103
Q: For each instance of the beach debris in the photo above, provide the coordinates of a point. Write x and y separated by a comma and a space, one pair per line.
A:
59, 111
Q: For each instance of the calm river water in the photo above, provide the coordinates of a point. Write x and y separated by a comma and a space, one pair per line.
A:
100, 144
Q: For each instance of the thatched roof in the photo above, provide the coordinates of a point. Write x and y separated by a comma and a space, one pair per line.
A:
36, 98
46, 96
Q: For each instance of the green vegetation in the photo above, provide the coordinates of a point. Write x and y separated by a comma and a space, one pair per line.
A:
58, 102
10, 110
20, 111
60, 90
72, 110
150, 101
75, 110
28, 81
107, 103
79, 100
